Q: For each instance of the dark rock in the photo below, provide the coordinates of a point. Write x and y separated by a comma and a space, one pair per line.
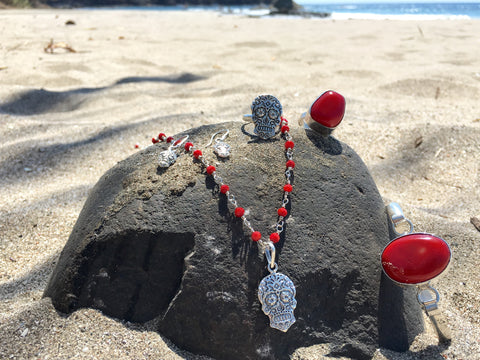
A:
284, 6
161, 244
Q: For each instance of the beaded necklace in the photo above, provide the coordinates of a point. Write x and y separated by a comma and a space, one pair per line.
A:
276, 291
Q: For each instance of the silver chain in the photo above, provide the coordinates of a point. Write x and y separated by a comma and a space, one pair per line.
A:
279, 226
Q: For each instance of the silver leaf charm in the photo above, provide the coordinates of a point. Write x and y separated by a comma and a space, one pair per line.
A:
276, 293
167, 158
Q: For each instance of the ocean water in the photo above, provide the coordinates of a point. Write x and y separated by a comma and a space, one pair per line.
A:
354, 10
403, 10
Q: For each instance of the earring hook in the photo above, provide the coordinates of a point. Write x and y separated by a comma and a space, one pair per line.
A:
178, 142
224, 136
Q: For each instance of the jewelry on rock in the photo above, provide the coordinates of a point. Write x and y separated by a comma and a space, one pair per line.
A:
276, 291
414, 259
266, 115
168, 157
325, 113
221, 148
162, 137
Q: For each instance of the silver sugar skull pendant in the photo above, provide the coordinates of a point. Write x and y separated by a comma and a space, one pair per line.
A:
266, 115
222, 149
277, 292
167, 158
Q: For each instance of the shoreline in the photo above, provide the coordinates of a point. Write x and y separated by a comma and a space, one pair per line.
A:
67, 117
307, 11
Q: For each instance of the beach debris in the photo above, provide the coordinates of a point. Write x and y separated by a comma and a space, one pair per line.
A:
420, 30
52, 46
475, 222
70, 22
418, 141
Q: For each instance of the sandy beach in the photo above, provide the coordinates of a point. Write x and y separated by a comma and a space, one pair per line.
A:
66, 117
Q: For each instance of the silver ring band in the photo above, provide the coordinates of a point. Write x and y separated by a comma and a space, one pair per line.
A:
248, 118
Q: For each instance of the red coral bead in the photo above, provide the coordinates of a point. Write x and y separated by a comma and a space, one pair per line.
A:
275, 237
285, 129
256, 235
287, 188
224, 189
328, 109
137, 146
188, 145
154, 141
239, 212
290, 164
415, 258
210, 169
197, 154
169, 139
161, 136
282, 212
284, 120
289, 144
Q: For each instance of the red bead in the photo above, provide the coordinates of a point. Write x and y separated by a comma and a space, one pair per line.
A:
415, 258
161, 136
154, 141
197, 154
169, 139
289, 144
275, 237
287, 188
284, 120
224, 189
285, 129
290, 164
256, 235
239, 212
137, 146
188, 145
282, 212
328, 109
210, 169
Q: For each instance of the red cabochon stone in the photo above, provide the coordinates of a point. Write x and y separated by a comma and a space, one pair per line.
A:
415, 258
328, 109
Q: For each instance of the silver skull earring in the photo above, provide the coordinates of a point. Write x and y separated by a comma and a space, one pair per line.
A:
168, 157
221, 148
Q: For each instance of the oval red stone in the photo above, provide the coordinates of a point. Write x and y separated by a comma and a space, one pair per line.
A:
415, 258
328, 109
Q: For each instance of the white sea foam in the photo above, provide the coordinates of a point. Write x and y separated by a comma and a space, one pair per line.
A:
369, 16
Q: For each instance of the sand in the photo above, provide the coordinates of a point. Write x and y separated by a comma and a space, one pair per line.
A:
412, 90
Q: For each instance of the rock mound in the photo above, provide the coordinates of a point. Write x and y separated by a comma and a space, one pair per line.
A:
161, 245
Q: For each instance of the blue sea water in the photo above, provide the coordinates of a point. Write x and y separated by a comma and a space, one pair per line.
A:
401, 10
353, 10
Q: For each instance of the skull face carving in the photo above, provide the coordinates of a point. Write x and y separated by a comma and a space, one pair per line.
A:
277, 292
266, 113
